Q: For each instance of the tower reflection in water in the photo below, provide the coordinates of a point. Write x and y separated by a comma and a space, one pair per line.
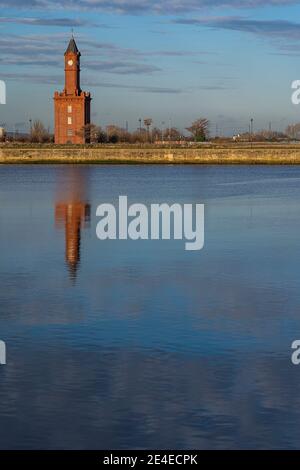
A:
73, 213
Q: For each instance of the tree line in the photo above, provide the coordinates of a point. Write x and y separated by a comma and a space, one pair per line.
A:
149, 133
199, 131
113, 134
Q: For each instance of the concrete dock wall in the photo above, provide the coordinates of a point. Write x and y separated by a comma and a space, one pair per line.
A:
205, 155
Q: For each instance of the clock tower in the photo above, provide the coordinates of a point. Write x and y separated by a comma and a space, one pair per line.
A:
72, 105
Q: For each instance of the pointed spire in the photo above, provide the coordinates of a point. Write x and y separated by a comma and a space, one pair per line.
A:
72, 47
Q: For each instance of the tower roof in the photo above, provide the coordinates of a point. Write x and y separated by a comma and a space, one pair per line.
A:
72, 47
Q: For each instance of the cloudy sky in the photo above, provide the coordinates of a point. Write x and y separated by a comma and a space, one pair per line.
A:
176, 60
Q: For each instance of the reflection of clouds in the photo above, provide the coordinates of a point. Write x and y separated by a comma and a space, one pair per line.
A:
162, 300
32, 306
124, 399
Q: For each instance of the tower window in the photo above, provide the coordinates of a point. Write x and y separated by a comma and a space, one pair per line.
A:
69, 108
69, 120
70, 132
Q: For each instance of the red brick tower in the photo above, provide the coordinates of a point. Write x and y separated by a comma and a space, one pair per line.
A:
72, 107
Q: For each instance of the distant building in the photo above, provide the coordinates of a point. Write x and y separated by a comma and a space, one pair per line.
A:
2, 133
72, 106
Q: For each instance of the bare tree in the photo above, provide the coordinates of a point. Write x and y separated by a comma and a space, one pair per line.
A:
139, 136
39, 133
157, 134
91, 133
293, 131
199, 129
2, 134
117, 134
172, 134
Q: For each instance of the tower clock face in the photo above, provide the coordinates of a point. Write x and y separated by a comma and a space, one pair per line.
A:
70, 62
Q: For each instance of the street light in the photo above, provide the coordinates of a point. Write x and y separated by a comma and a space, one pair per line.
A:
251, 130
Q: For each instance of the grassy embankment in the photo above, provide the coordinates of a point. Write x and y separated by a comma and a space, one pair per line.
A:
235, 153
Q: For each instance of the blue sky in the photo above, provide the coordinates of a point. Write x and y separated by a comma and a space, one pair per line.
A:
176, 60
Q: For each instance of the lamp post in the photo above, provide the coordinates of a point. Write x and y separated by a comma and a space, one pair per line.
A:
251, 130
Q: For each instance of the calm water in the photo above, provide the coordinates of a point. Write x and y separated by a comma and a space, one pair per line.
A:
123, 344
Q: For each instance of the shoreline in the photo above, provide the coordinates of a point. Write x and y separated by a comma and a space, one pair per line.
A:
257, 154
